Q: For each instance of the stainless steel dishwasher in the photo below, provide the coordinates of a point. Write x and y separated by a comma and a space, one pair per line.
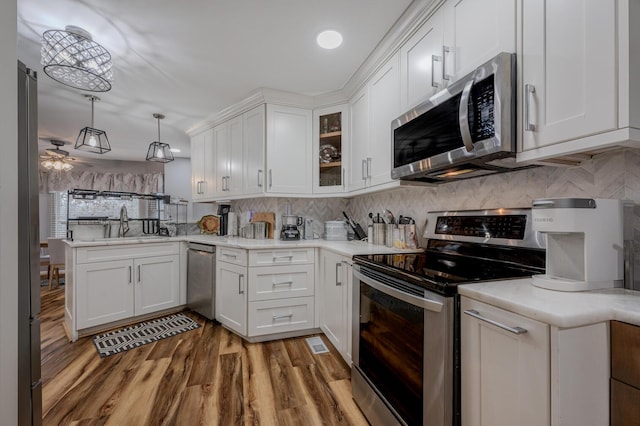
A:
201, 279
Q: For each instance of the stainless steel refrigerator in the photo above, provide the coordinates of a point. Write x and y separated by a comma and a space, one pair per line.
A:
29, 385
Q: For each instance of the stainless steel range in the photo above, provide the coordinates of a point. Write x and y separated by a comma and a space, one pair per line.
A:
406, 312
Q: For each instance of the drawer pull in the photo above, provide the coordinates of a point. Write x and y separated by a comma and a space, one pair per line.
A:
514, 330
276, 258
232, 256
283, 316
282, 283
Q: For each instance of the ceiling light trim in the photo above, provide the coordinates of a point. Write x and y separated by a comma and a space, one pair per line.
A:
329, 39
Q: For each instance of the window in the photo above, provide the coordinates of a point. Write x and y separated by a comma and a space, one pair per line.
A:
58, 215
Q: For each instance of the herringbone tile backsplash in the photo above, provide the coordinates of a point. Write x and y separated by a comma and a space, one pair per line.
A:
612, 175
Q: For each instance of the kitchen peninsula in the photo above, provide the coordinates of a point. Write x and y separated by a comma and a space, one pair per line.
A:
115, 281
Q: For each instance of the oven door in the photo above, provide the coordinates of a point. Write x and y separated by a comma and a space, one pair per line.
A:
402, 351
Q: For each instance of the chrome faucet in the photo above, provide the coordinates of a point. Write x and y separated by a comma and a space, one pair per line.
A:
124, 222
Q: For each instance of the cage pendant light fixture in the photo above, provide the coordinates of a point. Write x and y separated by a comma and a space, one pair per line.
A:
91, 139
71, 57
158, 151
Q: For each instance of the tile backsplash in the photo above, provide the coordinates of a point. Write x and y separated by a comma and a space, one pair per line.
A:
611, 175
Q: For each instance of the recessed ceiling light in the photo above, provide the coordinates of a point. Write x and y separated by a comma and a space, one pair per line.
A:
329, 39
175, 149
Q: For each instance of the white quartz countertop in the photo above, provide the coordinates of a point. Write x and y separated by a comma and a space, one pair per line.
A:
345, 248
558, 308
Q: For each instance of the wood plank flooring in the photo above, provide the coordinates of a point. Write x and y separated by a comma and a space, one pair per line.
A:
207, 376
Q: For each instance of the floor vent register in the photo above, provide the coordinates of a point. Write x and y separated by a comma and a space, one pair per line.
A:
317, 345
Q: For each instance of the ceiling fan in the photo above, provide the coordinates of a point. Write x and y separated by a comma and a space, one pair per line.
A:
56, 159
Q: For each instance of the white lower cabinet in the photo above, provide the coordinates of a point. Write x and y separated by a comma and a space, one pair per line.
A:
155, 285
113, 290
231, 296
505, 376
104, 292
265, 292
334, 291
280, 316
545, 375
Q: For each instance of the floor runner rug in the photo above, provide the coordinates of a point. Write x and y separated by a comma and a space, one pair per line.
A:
137, 335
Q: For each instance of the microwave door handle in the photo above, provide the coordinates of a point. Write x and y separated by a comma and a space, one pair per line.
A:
463, 116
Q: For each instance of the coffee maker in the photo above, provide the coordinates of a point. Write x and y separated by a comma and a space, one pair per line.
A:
291, 227
223, 212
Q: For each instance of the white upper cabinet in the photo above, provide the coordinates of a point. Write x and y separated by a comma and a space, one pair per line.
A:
384, 107
203, 173
421, 63
359, 116
569, 70
289, 150
228, 139
372, 110
330, 149
253, 151
474, 32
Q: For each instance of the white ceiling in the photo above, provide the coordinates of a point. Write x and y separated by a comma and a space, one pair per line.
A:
190, 59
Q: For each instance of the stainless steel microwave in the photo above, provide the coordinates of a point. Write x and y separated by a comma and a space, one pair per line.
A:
464, 131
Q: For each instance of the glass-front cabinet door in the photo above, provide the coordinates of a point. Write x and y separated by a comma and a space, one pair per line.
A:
330, 143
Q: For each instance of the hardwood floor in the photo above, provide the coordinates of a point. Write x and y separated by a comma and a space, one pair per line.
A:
207, 376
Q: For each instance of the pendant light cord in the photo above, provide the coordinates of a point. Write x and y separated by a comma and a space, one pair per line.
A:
93, 98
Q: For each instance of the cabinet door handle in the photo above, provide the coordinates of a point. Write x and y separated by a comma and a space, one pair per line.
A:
369, 161
129, 274
289, 257
338, 266
514, 330
445, 50
463, 116
364, 166
260, 178
434, 59
270, 178
529, 90
283, 316
224, 183
139, 274
240, 289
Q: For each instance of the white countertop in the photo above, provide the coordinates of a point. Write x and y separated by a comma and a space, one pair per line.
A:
345, 248
558, 308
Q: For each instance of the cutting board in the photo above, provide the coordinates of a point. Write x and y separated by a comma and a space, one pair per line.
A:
268, 217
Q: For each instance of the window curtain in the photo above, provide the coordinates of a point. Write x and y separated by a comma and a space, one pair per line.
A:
101, 181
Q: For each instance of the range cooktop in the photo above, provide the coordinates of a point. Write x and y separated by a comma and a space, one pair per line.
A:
466, 246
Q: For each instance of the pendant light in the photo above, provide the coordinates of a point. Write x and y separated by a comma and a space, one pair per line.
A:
91, 139
71, 57
158, 151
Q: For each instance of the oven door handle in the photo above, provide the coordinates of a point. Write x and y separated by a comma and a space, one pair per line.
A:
428, 304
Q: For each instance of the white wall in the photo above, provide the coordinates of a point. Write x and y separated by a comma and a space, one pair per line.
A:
177, 183
8, 215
